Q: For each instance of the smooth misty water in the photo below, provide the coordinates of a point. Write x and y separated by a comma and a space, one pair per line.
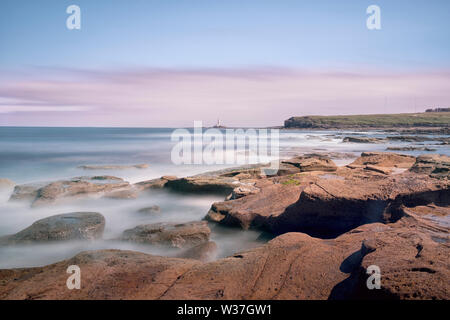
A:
45, 154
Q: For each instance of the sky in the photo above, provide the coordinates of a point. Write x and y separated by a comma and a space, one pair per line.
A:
166, 63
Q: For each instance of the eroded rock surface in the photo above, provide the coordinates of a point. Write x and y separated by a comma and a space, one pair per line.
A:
292, 266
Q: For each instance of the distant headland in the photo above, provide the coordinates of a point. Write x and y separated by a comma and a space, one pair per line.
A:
432, 118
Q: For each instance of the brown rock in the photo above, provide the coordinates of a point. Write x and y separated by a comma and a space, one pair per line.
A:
362, 140
437, 166
385, 159
312, 163
247, 211
176, 235
292, 266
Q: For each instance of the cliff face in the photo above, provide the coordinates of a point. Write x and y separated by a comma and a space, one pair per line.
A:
406, 120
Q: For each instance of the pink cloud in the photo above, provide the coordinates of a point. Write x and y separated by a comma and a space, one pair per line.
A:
247, 97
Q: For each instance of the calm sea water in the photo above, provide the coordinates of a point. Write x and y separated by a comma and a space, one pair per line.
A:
44, 154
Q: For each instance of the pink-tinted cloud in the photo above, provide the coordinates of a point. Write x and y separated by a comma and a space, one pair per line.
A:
247, 97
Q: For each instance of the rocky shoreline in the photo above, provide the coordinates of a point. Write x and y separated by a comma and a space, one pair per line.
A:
328, 224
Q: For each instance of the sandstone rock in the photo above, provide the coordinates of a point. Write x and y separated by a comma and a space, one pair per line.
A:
113, 167
292, 266
312, 163
437, 166
176, 235
204, 252
362, 140
246, 212
69, 226
150, 210
326, 207
208, 184
243, 191
47, 193
378, 169
106, 274
385, 159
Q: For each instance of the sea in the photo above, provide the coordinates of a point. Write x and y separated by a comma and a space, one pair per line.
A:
37, 154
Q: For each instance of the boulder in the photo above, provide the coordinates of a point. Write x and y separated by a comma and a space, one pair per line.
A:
48, 193
68, 226
200, 183
176, 235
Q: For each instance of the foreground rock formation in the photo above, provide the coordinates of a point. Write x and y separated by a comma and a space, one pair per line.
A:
292, 266
327, 205
334, 224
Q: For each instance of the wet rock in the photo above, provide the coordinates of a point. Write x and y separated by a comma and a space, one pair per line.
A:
150, 210
48, 193
243, 191
362, 140
378, 169
209, 184
176, 235
204, 252
68, 226
410, 148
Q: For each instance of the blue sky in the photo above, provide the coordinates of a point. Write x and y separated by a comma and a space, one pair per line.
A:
249, 62
225, 33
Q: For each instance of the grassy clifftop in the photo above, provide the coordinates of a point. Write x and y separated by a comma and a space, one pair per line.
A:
426, 119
